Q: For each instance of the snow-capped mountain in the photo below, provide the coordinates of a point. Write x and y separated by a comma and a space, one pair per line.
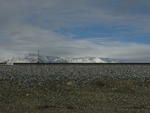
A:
33, 58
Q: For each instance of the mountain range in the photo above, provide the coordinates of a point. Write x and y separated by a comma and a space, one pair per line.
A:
34, 58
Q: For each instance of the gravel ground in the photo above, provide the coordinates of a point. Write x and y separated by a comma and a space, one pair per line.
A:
58, 89
26, 75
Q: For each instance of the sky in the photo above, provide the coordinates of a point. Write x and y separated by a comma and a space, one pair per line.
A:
117, 29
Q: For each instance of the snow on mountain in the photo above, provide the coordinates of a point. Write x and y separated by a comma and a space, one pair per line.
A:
86, 60
33, 58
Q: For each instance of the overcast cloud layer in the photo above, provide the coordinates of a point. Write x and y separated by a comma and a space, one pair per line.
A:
53, 26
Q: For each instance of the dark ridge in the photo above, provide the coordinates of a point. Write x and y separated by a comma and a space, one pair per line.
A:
3, 63
81, 63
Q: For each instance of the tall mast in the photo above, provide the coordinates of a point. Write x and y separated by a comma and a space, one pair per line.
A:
38, 57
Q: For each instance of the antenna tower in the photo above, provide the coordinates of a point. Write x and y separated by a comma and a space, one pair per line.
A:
38, 57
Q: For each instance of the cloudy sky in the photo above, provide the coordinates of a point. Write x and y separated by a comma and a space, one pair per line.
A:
72, 28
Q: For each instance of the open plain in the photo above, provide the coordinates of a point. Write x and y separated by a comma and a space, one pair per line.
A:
75, 88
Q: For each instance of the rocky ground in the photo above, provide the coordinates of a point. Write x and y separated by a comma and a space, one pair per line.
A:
75, 89
26, 75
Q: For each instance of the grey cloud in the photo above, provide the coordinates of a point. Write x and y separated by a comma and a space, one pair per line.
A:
66, 13
23, 24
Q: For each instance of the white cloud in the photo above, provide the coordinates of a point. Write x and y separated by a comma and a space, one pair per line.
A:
29, 39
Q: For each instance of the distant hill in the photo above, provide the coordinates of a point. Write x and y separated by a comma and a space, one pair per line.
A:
32, 58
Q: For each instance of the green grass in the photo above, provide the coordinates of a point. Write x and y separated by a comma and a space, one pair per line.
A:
98, 96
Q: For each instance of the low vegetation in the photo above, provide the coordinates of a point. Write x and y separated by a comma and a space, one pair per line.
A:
75, 89
97, 96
